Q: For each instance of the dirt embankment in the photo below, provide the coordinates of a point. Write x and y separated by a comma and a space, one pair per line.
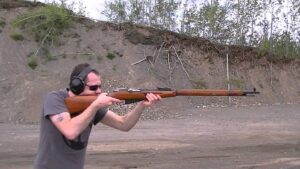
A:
170, 60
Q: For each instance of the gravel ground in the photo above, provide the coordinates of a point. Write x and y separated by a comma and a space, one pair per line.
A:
251, 137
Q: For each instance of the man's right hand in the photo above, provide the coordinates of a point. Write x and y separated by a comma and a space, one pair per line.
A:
103, 100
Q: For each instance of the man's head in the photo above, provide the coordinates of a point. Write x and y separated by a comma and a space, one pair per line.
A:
84, 80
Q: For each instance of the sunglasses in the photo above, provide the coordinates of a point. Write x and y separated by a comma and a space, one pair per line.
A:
94, 87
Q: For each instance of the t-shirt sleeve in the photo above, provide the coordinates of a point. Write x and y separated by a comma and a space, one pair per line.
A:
99, 115
54, 104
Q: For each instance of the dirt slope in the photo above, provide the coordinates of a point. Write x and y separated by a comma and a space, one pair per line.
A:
172, 60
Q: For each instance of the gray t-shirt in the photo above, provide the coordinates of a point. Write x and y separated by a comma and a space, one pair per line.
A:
56, 151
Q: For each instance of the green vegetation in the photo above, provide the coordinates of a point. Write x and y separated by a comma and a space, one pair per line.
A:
199, 84
47, 55
110, 55
17, 36
46, 23
281, 47
270, 25
32, 62
2, 23
236, 83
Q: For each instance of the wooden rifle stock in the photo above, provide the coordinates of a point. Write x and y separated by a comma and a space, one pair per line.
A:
77, 104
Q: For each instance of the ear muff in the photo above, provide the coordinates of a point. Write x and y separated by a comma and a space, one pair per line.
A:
77, 83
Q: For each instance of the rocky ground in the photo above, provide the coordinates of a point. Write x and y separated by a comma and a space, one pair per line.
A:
252, 137
144, 58
182, 132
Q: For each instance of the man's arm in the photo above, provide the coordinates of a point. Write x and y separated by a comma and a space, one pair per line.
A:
126, 122
72, 127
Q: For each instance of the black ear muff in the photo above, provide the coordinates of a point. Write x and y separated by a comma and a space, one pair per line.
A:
77, 83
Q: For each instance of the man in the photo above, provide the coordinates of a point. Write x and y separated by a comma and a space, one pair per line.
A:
63, 139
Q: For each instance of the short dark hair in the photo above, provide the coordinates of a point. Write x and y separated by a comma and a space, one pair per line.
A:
79, 68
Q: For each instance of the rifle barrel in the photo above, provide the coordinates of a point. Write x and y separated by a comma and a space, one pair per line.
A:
204, 92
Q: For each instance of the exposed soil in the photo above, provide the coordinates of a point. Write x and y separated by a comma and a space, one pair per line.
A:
181, 132
260, 137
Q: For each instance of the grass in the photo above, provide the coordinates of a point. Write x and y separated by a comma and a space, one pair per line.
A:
110, 55
32, 62
199, 84
236, 83
17, 36
46, 23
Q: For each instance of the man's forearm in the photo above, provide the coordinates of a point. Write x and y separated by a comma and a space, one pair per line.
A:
131, 118
80, 122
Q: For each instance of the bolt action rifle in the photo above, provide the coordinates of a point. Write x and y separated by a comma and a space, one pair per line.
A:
77, 104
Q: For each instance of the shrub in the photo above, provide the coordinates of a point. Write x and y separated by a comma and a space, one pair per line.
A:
32, 63
46, 23
110, 55
17, 36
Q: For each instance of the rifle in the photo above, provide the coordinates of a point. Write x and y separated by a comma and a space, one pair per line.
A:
77, 104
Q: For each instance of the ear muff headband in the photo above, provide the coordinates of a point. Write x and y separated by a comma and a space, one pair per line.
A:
77, 83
